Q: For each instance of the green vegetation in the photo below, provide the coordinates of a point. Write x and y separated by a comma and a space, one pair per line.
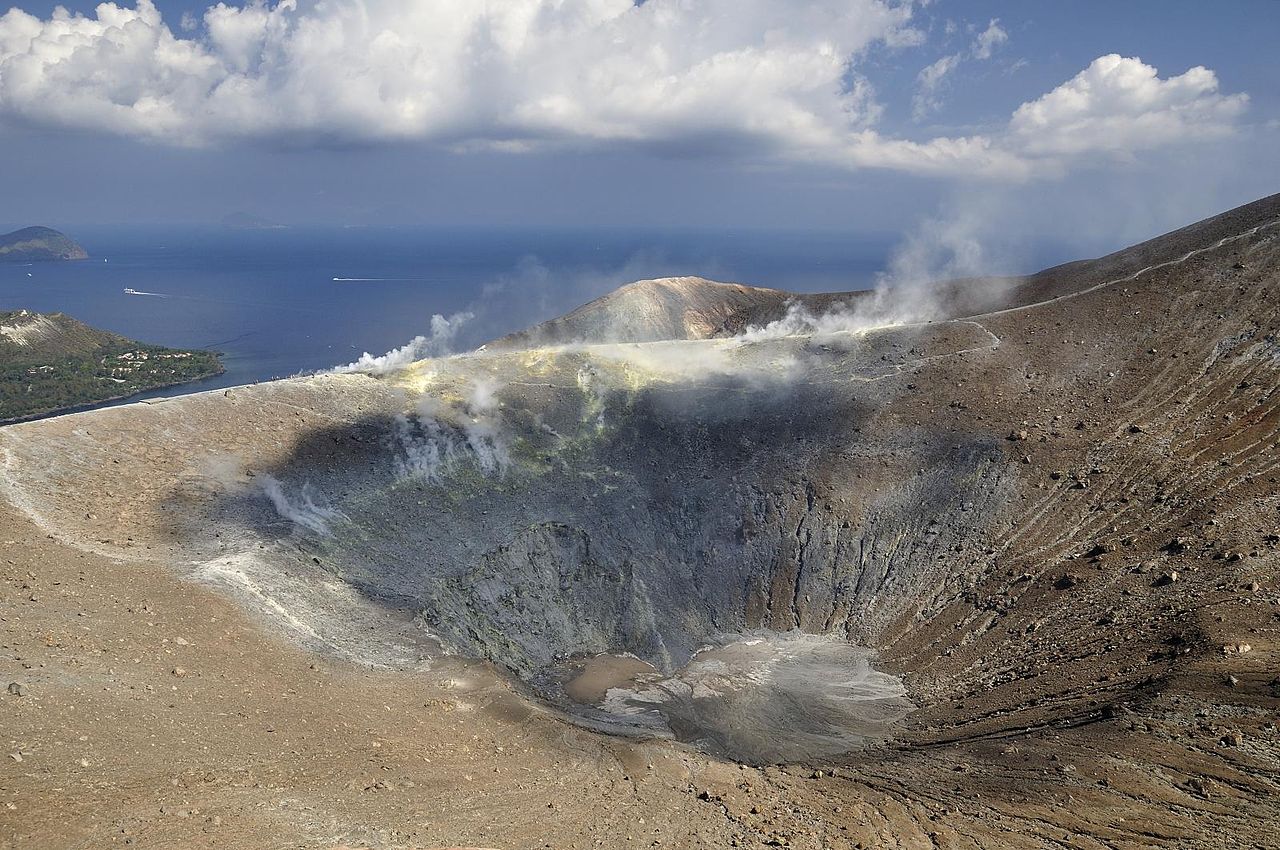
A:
37, 244
51, 362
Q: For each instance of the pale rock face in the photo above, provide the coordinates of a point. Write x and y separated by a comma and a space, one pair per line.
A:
28, 329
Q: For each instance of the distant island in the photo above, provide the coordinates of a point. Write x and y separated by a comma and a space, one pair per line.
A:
248, 221
34, 244
50, 362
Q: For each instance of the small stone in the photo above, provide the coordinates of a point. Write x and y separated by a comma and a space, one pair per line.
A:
1018, 436
16, 756
181, 641
1201, 786
1166, 579
1234, 738
18, 689
1066, 581
179, 672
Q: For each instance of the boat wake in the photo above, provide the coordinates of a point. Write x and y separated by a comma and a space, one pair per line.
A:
380, 279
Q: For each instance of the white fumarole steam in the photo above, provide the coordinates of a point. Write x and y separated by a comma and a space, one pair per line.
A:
948, 247
436, 344
432, 443
303, 511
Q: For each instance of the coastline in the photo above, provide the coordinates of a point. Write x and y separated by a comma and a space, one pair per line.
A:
105, 402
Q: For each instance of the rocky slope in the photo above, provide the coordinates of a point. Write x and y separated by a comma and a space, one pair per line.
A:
35, 244
1053, 514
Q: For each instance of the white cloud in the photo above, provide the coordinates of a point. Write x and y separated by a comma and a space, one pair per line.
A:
1119, 106
989, 39
741, 77
453, 70
969, 155
932, 79
929, 82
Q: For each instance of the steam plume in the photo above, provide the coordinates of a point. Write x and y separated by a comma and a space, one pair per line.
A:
303, 511
436, 344
958, 243
435, 439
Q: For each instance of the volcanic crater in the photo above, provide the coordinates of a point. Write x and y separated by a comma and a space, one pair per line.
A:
1005, 577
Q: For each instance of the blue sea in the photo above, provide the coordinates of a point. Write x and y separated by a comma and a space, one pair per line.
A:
288, 301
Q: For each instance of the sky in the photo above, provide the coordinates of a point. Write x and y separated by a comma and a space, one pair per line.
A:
967, 125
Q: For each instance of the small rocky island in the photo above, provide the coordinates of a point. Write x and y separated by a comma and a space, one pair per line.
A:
248, 221
50, 362
39, 244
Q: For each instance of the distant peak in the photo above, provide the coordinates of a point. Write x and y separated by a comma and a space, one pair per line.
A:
665, 308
